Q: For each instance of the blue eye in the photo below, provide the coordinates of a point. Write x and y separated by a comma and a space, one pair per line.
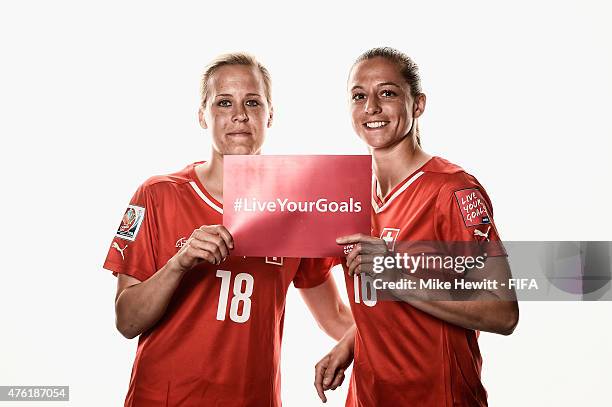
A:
224, 103
252, 103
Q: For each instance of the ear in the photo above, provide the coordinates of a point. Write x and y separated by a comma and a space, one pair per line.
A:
201, 118
419, 105
271, 116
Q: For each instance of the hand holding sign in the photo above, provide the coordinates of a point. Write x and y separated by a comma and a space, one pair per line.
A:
211, 243
365, 248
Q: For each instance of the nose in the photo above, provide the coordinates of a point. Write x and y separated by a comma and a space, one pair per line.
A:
240, 114
371, 106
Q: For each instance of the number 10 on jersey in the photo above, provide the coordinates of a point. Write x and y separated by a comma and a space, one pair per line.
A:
364, 290
240, 296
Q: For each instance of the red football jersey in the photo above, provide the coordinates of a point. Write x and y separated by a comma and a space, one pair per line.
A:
218, 343
403, 356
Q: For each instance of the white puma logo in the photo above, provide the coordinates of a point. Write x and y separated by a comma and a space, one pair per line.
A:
485, 234
119, 249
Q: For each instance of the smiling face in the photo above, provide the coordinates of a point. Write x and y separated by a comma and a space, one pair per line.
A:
382, 108
236, 112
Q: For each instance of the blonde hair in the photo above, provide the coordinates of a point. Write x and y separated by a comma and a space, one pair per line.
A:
235, 58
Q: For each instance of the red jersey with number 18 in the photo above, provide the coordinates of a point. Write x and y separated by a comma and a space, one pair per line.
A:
403, 356
218, 343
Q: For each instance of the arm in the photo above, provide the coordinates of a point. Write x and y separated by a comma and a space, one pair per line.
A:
492, 315
139, 305
331, 314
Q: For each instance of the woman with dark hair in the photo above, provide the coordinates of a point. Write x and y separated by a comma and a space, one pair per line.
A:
412, 352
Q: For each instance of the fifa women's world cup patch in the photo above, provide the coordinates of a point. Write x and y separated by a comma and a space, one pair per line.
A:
473, 207
131, 222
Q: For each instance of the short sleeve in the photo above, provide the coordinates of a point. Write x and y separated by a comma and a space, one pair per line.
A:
464, 214
313, 272
133, 248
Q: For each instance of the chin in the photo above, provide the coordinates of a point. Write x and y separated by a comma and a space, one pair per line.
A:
241, 150
376, 142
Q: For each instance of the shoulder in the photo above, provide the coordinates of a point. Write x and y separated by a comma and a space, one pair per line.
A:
439, 165
163, 182
458, 187
451, 180
448, 176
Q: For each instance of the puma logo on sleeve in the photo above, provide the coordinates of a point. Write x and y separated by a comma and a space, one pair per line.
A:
119, 249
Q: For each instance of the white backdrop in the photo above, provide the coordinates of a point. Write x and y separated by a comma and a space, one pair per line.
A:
97, 96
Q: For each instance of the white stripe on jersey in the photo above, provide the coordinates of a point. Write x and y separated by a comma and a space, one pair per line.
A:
204, 197
396, 194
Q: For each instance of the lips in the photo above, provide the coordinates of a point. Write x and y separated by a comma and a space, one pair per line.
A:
375, 125
238, 133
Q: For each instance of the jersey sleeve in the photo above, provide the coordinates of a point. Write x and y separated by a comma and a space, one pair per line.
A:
132, 250
464, 214
313, 272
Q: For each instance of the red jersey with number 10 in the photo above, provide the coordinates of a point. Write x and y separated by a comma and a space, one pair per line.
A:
403, 356
218, 343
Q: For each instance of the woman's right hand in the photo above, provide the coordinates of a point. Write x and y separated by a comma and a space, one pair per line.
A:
329, 372
211, 243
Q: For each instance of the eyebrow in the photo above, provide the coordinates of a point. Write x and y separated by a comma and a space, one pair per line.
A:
228, 95
389, 83
378, 84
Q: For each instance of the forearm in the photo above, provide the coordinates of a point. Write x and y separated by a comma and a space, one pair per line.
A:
492, 309
140, 306
338, 324
332, 315
348, 339
498, 317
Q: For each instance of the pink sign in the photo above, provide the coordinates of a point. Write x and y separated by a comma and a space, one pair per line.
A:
295, 205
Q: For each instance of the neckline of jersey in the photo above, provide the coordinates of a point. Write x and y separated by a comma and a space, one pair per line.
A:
383, 201
194, 178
